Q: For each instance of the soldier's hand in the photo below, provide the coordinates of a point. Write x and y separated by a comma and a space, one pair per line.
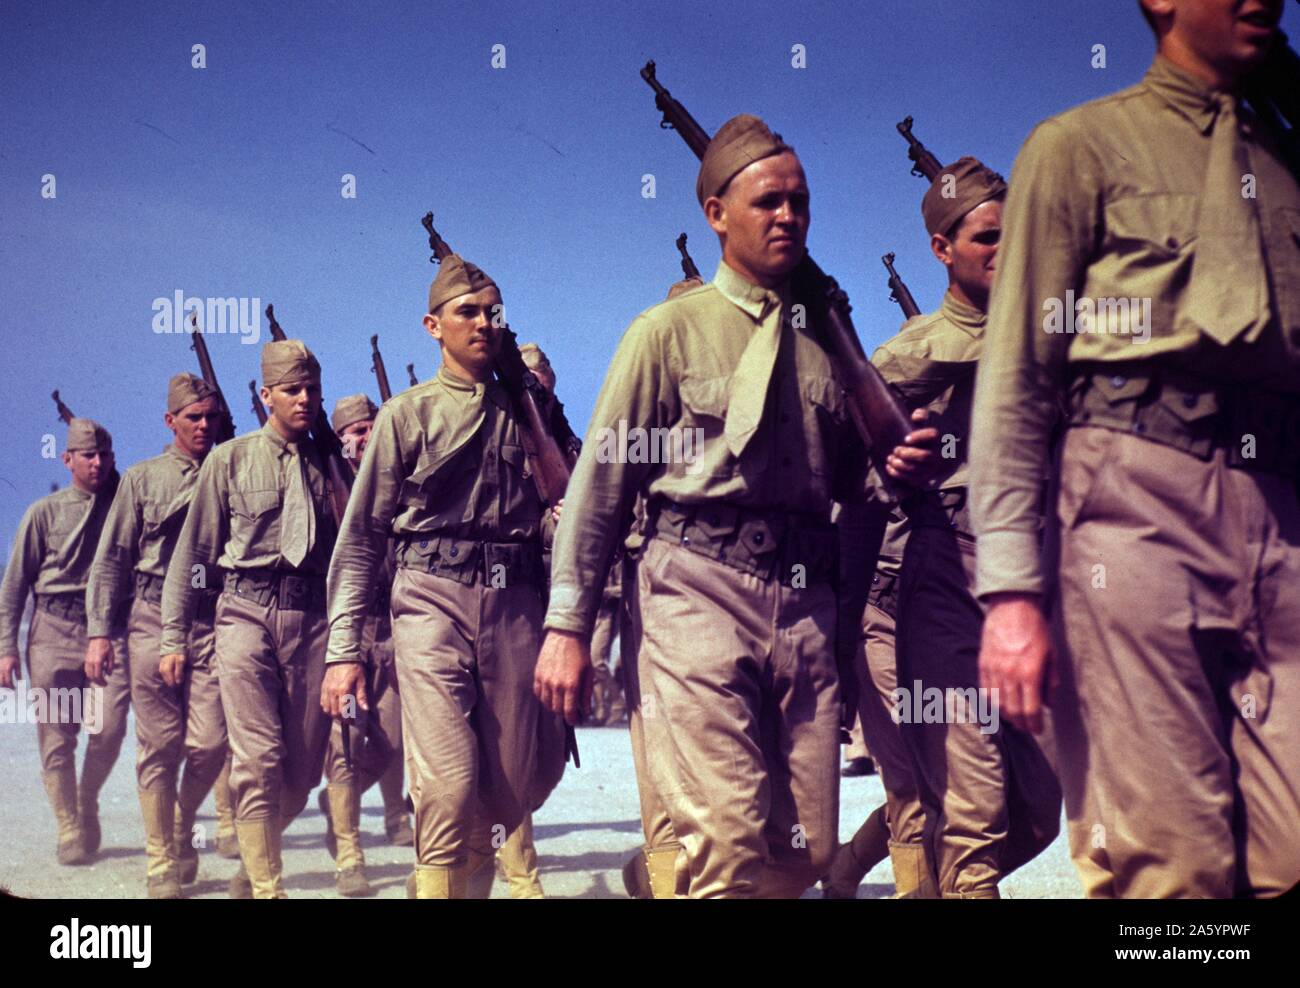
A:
562, 680
1015, 658
10, 672
556, 509
917, 461
99, 660
172, 668
343, 680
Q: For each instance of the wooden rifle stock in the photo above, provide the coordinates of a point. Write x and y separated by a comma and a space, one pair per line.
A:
898, 290
258, 408
65, 413
880, 417
327, 444
226, 424
688, 265
924, 164
381, 372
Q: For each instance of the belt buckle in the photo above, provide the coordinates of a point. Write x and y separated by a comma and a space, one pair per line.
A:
293, 592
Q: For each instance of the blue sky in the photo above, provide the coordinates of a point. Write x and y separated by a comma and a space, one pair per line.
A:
225, 181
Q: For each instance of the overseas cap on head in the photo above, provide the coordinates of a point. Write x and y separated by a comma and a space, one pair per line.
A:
738, 144
185, 389
288, 362
87, 434
456, 277
949, 199
353, 408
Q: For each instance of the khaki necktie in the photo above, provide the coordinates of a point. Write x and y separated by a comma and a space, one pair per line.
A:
298, 518
750, 382
1228, 291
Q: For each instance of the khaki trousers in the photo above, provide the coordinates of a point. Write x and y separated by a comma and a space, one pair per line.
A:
1178, 715
376, 735
877, 679
270, 663
993, 794
740, 714
175, 724
479, 753
56, 658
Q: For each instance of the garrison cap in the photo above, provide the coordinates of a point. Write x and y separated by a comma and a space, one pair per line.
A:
971, 185
456, 277
353, 408
88, 435
288, 362
185, 389
739, 142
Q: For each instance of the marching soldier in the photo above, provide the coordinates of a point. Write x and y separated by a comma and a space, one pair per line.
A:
51, 558
178, 713
739, 690
989, 787
1150, 283
447, 479
259, 521
379, 759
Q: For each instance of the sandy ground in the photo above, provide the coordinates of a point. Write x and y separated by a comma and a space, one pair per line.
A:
584, 834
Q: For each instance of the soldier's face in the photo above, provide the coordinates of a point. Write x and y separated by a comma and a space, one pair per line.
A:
354, 438
1231, 36
762, 219
469, 329
293, 406
195, 426
90, 468
970, 254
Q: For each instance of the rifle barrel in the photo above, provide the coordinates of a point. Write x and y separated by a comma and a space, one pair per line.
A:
65, 413
688, 264
924, 164
898, 290
381, 372
410, 373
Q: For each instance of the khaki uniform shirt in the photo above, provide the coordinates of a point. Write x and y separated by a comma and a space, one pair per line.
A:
140, 532
234, 522
675, 369
444, 458
1103, 203
52, 553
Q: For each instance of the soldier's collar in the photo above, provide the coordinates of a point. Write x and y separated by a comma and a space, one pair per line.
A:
280, 444
753, 299
185, 460
491, 389
1187, 94
963, 315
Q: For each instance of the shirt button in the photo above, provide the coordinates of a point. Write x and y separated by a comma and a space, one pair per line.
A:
424, 543
1189, 401
1118, 381
454, 552
758, 538
1171, 243
686, 540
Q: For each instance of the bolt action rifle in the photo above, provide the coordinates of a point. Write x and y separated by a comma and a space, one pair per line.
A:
65, 413
924, 164
225, 424
688, 266
258, 408
381, 372
410, 373
879, 415
898, 290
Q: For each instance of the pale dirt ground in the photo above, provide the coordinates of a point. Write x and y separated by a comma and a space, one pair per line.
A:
584, 833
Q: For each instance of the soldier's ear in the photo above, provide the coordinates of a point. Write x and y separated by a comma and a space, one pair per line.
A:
715, 211
432, 326
67, 459
941, 248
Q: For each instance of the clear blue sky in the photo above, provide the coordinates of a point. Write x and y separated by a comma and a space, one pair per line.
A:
226, 181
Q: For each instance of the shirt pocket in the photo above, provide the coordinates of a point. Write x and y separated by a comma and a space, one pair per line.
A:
704, 419
440, 488
1284, 262
1147, 253
825, 417
254, 522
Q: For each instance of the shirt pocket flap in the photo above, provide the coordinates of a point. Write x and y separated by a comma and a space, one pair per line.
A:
1164, 223
1120, 388
706, 396
254, 504
826, 393
431, 465
1189, 405
517, 457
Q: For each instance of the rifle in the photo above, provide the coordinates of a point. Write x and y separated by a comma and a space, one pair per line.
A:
898, 291
924, 164
875, 409
226, 424
258, 408
410, 372
331, 450
381, 372
688, 266
549, 442
65, 413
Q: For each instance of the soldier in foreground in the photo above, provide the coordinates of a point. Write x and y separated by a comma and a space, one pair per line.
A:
178, 713
259, 521
736, 651
51, 558
1175, 544
446, 479
379, 759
